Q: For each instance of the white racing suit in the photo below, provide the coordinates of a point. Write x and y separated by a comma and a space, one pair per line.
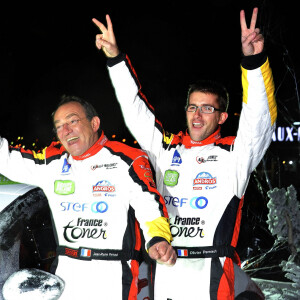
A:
202, 183
97, 202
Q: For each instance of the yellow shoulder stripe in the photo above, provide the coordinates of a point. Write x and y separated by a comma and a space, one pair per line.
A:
270, 90
269, 86
40, 156
168, 138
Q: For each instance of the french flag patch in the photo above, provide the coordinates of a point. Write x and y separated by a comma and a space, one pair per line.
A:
86, 252
182, 252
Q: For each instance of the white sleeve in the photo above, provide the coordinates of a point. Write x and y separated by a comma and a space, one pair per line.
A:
257, 122
16, 167
138, 114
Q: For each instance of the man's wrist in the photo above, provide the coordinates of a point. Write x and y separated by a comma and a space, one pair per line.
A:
111, 61
155, 240
254, 61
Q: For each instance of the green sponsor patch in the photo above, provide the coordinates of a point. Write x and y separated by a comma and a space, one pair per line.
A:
64, 187
171, 178
4, 180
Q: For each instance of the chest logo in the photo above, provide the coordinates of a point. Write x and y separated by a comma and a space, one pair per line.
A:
64, 187
103, 186
176, 160
171, 178
66, 167
204, 178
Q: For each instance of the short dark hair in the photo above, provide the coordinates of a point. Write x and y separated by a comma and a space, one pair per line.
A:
90, 111
210, 87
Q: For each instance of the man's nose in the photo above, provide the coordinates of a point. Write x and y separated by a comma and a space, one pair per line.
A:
198, 111
66, 128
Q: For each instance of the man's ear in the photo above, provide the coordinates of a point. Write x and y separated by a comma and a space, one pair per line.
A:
223, 117
95, 123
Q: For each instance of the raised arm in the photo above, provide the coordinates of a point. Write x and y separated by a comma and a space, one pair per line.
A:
259, 111
139, 115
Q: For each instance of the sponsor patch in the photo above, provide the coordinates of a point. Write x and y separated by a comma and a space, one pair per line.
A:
171, 178
204, 178
66, 167
107, 166
201, 160
64, 187
103, 186
176, 160
212, 158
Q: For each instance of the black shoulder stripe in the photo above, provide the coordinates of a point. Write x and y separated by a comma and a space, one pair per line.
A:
54, 157
225, 146
123, 156
28, 155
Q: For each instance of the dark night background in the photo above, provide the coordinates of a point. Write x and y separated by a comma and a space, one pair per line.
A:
47, 51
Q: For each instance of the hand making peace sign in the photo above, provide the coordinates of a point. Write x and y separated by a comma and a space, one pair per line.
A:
252, 39
106, 41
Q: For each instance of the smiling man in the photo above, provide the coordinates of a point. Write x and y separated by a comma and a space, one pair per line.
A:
101, 193
206, 109
201, 175
76, 126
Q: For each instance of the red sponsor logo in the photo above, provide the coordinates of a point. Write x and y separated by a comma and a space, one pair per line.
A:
71, 252
106, 188
205, 181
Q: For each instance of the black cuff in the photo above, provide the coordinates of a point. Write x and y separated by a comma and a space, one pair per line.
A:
254, 61
111, 61
155, 240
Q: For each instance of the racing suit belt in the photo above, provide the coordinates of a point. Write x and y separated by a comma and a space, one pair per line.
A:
98, 254
204, 252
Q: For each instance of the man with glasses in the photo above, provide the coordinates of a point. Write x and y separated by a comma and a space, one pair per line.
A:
100, 194
201, 175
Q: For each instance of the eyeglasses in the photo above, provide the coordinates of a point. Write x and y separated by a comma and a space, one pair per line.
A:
72, 123
206, 109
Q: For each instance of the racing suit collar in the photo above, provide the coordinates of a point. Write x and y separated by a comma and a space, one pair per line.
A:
94, 149
188, 142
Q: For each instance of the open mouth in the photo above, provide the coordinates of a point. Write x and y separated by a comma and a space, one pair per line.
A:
197, 124
72, 140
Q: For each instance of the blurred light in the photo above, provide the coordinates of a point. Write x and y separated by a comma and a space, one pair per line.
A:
113, 136
291, 162
135, 142
296, 123
124, 140
244, 263
283, 162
